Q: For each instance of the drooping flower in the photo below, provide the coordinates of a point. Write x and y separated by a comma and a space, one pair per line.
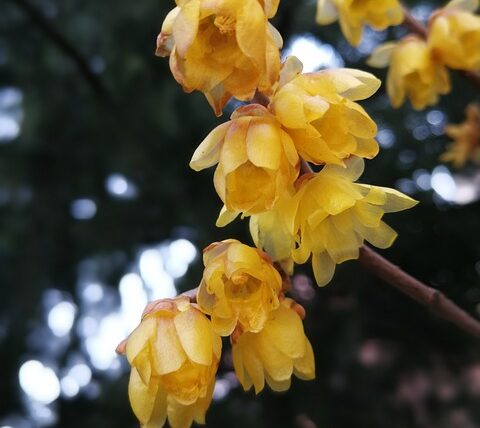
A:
319, 112
256, 160
466, 139
414, 72
355, 14
222, 48
275, 353
454, 35
174, 354
334, 215
240, 287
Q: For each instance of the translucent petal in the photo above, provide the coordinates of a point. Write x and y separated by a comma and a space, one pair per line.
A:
137, 341
326, 12
186, 26
323, 268
285, 330
276, 363
381, 56
142, 397
304, 367
264, 145
208, 152
194, 332
168, 353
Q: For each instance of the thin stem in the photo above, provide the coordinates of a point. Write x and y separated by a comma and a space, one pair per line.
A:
63, 44
422, 293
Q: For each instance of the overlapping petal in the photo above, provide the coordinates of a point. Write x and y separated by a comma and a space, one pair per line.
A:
222, 48
174, 354
275, 353
240, 287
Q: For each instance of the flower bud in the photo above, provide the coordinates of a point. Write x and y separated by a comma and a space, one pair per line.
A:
240, 287
275, 353
174, 354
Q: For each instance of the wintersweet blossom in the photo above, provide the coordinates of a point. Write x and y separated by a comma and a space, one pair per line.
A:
174, 354
320, 113
454, 35
275, 353
257, 161
222, 48
414, 72
466, 139
333, 216
239, 288
355, 14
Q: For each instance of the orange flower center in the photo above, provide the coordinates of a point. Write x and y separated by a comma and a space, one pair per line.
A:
226, 24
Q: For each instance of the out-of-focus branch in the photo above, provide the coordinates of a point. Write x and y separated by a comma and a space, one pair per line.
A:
421, 30
63, 44
422, 293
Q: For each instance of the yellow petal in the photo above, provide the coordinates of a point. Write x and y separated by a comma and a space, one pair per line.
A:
304, 368
326, 12
323, 268
159, 413
467, 5
186, 26
278, 385
381, 56
263, 145
208, 152
225, 217
382, 236
139, 338
179, 415
142, 397
285, 330
168, 353
397, 201
276, 363
194, 332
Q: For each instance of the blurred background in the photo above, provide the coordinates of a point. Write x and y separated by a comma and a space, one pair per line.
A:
99, 213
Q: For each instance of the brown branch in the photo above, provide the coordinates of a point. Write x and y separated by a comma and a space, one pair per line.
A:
422, 293
421, 30
413, 24
64, 45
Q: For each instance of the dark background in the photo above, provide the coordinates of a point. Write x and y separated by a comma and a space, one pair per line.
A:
95, 140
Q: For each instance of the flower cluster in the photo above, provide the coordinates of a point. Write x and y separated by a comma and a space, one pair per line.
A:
466, 139
227, 48
418, 66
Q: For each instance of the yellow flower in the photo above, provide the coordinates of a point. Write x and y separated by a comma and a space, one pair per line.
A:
222, 48
174, 354
454, 35
413, 72
275, 353
333, 216
239, 286
466, 139
319, 112
355, 14
256, 160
